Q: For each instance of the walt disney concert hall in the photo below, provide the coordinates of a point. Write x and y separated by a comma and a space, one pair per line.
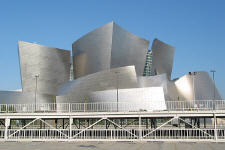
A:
108, 64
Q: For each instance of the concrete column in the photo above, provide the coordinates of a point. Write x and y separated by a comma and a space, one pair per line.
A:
7, 124
70, 124
140, 130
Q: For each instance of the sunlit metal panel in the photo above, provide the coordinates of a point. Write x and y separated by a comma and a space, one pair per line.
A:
197, 87
109, 46
128, 49
150, 98
52, 65
77, 90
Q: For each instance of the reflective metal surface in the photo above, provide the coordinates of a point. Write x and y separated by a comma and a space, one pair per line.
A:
128, 49
50, 65
162, 58
108, 47
106, 60
14, 97
155, 81
197, 87
92, 52
77, 90
151, 98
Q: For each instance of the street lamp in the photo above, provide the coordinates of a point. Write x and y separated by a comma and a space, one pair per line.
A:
193, 83
117, 92
35, 97
214, 89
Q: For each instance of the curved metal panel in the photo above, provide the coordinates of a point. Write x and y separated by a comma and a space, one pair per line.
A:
92, 52
155, 81
108, 47
162, 58
77, 90
151, 98
197, 87
14, 97
128, 49
51, 64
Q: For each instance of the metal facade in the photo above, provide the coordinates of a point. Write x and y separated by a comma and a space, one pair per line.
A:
155, 81
14, 97
149, 99
52, 65
104, 60
109, 46
77, 90
128, 49
92, 52
162, 58
197, 87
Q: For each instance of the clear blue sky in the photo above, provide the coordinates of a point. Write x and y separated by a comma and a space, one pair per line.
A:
195, 27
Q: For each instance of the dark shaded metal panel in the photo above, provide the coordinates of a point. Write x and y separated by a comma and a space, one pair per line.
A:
162, 58
128, 49
203, 88
51, 64
14, 97
77, 90
92, 52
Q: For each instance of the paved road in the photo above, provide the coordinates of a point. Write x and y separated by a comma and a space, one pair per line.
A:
109, 146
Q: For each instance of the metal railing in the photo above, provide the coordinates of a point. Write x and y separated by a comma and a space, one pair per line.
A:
112, 107
113, 134
38, 134
196, 105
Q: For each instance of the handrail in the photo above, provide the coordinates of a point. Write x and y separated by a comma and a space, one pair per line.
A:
196, 105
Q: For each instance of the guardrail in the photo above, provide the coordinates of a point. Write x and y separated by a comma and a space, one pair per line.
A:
113, 134
112, 107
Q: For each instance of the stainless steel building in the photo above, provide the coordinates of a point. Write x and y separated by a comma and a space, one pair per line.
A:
105, 61
109, 46
44, 68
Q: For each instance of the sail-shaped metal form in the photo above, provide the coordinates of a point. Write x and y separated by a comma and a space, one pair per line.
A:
198, 86
162, 58
43, 68
109, 46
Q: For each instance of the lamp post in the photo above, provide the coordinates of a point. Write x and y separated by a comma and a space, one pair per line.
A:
193, 83
35, 96
214, 90
117, 91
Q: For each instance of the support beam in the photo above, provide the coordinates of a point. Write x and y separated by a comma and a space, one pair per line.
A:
56, 123
204, 122
215, 130
88, 127
115, 124
7, 124
139, 127
160, 126
146, 123
70, 125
